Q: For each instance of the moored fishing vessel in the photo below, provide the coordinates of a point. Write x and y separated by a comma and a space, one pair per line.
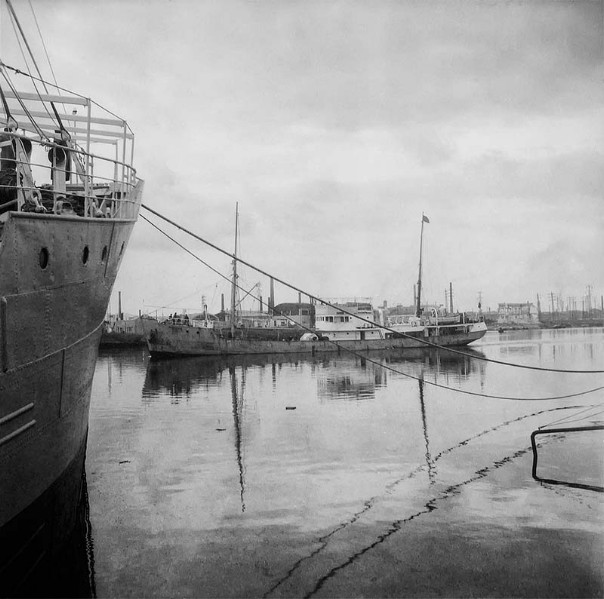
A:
348, 325
191, 337
67, 208
123, 333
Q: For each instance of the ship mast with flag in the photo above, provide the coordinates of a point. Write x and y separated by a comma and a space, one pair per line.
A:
418, 309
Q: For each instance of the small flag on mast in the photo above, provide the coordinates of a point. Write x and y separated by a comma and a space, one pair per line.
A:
425, 218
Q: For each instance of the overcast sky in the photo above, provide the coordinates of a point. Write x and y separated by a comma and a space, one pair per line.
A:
336, 124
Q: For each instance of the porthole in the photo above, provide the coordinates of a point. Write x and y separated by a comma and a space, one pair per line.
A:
43, 258
85, 255
104, 254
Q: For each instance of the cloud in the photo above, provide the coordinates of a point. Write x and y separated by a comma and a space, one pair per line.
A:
334, 125
565, 265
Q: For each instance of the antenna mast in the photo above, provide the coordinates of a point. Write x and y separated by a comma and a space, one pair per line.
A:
425, 219
234, 282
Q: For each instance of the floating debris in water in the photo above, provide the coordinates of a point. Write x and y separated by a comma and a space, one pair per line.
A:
290, 407
221, 429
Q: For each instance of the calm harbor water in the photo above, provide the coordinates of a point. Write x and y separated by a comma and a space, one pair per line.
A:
342, 476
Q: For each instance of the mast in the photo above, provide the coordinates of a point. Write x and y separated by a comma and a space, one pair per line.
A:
425, 219
234, 281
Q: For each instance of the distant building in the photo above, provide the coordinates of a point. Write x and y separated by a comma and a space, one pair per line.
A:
299, 313
246, 318
518, 314
399, 309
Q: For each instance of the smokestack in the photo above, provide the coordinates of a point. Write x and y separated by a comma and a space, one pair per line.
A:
451, 297
271, 299
119, 304
222, 302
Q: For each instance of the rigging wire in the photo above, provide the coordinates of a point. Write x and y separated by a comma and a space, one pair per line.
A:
590, 417
15, 21
69, 92
33, 121
56, 84
223, 276
16, 25
176, 301
214, 294
423, 341
77, 156
573, 417
33, 12
381, 364
33, 59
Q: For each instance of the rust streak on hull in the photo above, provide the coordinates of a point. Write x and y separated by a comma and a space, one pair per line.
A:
174, 340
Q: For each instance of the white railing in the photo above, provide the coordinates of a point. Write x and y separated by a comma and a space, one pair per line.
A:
47, 163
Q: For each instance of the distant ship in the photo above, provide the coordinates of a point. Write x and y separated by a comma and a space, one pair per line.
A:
69, 198
348, 325
338, 327
123, 333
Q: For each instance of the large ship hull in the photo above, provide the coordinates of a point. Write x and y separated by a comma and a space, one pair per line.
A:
46, 550
169, 340
56, 276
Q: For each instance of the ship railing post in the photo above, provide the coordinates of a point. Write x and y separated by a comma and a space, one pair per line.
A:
89, 191
88, 180
132, 178
124, 171
3, 333
116, 190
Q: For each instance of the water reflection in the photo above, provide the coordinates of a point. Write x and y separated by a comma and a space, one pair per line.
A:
555, 346
47, 550
350, 377
339, 376
238, 400
429, 462
182, 377
208, 483
420, 362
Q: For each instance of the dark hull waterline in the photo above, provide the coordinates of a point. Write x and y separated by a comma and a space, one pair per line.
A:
170, 341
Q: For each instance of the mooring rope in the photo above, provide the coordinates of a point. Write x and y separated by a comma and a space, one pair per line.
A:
318, 299
381, 364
